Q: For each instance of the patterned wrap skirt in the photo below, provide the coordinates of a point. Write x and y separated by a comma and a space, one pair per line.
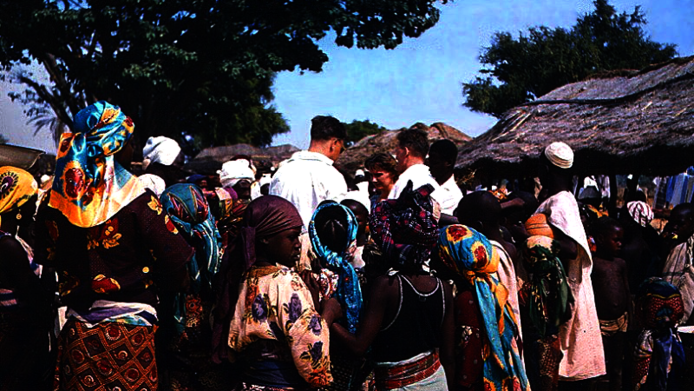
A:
107, 356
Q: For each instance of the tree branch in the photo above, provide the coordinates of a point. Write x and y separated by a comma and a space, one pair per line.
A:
49, 98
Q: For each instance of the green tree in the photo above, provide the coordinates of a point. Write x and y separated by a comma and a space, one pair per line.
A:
190, 67
3, 139
357, 130
520, 70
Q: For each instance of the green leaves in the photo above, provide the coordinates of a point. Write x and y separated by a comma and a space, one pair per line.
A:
196, 67
357, 130
542, 59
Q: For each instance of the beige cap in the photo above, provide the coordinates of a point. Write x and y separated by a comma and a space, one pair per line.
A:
560, 154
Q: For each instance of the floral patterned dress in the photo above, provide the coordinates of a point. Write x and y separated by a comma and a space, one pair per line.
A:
275, 321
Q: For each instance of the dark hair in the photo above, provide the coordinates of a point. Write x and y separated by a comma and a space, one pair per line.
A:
331, 227
415, 139
446, 149
326, 127
382, 161
603, 226
482, 206
355, 206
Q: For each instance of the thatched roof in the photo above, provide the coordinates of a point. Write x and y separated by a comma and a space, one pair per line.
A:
354, 157
211, 159
22, 157
621, 122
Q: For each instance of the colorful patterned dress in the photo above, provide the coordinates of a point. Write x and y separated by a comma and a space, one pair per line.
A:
279, 339
108, 276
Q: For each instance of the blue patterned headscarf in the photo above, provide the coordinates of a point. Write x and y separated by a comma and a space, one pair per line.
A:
90, 186
189, 210
470, 254
348, 289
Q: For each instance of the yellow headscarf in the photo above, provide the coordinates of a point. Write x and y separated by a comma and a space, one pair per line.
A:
16, 187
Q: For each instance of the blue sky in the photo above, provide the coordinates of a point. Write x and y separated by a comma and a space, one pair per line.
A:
420, 80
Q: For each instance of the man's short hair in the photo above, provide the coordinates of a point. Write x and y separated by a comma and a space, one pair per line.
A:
446, 149
382, 161
325, 127
416, 140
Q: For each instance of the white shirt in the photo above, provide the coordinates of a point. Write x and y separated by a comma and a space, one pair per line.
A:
306, 179
452, 196
580, 337
419, 175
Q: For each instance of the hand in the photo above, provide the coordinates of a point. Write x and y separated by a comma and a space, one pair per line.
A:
312, 285
331, 310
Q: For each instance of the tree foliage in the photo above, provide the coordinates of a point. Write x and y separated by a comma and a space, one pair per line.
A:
519, 70
357, 130
200, 67
3, 139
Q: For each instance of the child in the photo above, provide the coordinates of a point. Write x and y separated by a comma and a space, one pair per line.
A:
612, 298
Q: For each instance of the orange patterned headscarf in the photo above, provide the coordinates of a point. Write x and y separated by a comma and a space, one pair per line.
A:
16, 187
90, 186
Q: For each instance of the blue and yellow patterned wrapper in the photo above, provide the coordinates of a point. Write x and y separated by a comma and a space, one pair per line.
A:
90, 186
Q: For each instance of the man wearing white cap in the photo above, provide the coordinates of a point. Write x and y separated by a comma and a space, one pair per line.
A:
579, 337
162, 162
308, 177
238, 174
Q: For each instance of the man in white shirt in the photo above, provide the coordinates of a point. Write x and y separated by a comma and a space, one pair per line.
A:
308, 177
441, 161
412, 149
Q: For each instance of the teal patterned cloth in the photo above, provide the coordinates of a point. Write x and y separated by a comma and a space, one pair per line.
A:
348, 290
470, 254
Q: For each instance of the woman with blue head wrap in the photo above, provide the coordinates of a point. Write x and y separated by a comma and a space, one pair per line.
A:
333, 233
189, 210
190, 213
473, 259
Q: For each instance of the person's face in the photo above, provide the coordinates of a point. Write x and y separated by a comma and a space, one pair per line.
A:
243, 189
681, 224
611, 242
284, 247
362, 217
436, 164
382, 180
401, 157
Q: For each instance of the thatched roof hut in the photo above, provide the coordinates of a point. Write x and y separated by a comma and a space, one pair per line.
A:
620, 122
354, 157
22, 157
211, 159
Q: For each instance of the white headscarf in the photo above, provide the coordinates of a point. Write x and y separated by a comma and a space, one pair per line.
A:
153, 182
234, 171
162, 150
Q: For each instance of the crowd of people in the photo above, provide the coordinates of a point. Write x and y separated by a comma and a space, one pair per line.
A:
394, 279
